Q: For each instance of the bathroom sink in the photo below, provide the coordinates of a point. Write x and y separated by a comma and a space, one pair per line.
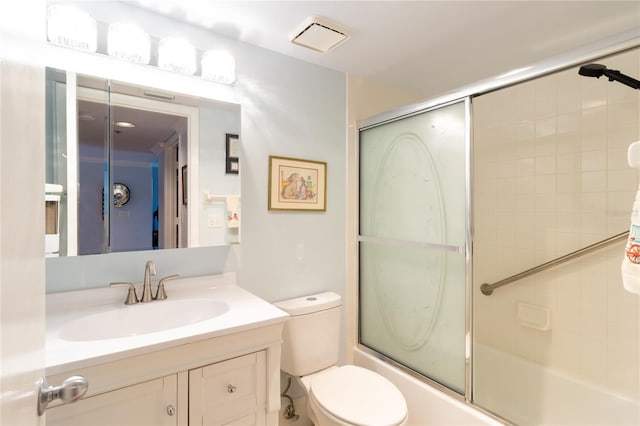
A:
142, 318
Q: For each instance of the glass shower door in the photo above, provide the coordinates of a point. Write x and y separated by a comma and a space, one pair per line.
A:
412, 242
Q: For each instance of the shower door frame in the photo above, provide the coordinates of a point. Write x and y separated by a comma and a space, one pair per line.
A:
608, 47
400, 114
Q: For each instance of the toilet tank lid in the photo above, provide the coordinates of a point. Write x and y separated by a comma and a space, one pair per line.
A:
308, 304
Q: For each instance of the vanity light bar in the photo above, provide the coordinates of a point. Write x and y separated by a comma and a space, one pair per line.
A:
73, 28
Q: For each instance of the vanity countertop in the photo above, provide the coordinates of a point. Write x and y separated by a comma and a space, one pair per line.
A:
242, 311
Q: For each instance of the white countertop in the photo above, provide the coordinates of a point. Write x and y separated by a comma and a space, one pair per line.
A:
246, 311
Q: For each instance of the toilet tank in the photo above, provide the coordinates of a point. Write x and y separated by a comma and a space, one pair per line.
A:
310, 340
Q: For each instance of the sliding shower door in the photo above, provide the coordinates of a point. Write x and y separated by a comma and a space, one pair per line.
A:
413, 241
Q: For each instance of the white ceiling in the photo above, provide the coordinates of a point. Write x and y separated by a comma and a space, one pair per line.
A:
424, 47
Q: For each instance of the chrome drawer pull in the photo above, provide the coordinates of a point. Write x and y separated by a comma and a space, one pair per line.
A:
231, 389
170, 410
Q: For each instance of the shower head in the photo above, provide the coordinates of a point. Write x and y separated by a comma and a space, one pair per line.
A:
592, 70
598, 70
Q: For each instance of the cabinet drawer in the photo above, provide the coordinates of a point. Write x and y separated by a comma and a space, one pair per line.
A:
229, 390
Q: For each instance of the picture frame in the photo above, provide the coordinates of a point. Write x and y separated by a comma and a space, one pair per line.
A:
232, 154
297, 184
185, 187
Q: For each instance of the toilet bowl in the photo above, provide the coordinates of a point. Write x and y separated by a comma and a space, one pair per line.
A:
346, 395
352, 395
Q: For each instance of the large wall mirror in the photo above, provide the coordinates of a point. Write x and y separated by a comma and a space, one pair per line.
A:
131, 168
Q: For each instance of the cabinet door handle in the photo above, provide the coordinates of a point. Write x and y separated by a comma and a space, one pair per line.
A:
231, 388
170, 410
71, 390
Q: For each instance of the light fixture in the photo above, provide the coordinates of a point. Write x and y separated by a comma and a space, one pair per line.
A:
124, 124
70, 27
219, 66
177, 55
128, 42
319, 34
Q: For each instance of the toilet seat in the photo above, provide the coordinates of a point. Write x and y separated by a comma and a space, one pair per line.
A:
358, 396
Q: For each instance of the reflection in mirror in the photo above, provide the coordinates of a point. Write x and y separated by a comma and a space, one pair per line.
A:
160, 155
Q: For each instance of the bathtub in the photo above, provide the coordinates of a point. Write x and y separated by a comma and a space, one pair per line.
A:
427, 405
516, 389
529, 394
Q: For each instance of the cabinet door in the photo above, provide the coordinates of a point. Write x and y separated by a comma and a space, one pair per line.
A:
138, 405
229, 392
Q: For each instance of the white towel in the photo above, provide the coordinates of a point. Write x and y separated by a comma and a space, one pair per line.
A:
233, 211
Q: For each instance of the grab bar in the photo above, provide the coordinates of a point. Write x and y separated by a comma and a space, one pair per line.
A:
487, 289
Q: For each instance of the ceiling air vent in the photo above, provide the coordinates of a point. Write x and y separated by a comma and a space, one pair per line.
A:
319, 34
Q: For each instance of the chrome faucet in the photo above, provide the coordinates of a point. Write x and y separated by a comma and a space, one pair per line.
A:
149, 270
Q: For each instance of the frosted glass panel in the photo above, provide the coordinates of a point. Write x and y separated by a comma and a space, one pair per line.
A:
412, 242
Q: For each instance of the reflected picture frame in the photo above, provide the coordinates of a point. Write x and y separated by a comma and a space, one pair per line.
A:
232, 154
185, 187
297, 185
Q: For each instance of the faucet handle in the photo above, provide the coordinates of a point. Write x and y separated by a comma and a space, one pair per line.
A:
132, 297
161, 294
151, 267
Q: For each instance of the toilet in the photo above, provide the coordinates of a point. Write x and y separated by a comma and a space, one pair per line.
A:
347, 395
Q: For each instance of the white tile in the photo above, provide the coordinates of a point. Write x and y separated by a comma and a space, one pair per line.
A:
594, 181
545, 184
525, 184
568, 92
546, 97
525, 166
545, 127
593, 224
568, 163
545, 165
568, 222
594, 202
594, 160
569, 202
569, 183
525, 203
617, 158
622, 180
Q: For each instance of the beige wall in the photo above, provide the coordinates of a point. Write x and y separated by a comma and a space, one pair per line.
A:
551, 177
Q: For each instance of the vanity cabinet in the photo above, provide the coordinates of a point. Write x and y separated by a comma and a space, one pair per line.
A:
224, 393
227, 380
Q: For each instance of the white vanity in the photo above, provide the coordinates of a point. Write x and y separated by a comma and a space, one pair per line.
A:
208, 355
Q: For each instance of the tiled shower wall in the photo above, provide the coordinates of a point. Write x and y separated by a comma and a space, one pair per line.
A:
550, 176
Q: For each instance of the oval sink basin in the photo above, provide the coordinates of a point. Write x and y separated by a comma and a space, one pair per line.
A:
142, 318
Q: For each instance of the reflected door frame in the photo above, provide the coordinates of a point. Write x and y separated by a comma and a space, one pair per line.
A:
188, 222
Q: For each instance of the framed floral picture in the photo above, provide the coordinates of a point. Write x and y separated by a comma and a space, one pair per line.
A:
296, 184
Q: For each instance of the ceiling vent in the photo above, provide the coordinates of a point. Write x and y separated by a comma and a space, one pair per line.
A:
319, 34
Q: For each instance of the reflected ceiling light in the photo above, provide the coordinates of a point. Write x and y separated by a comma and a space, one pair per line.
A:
177, 55
319, 34
219, 66
128, 42
125, 124
70, 27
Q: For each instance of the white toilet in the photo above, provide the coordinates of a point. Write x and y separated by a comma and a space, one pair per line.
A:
347, 395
